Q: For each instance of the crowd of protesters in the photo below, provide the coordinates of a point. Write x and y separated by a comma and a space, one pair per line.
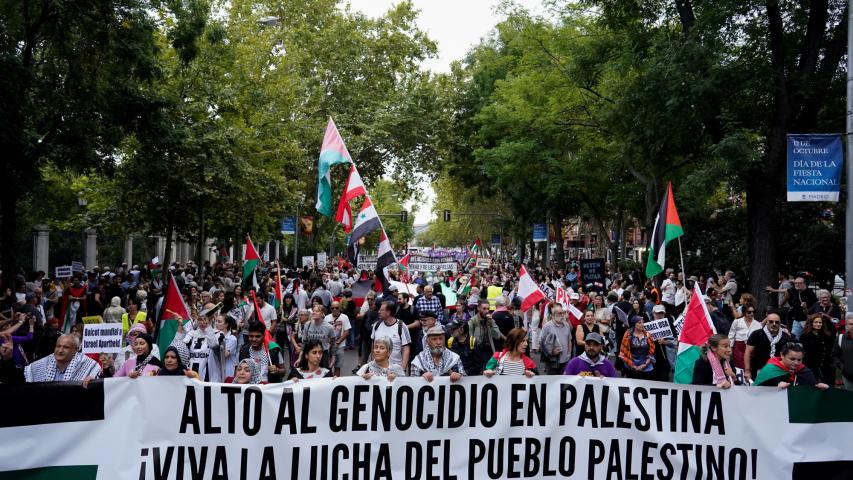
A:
247, 333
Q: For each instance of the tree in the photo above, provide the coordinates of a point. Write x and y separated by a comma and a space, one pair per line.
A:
73, 84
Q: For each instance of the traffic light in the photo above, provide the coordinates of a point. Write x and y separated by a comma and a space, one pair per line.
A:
447, 215
404, 216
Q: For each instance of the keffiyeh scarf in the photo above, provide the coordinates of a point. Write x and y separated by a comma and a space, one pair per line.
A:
256, 371
773, 340
80, 367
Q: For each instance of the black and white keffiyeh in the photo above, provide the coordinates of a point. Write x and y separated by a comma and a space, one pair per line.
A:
44, 370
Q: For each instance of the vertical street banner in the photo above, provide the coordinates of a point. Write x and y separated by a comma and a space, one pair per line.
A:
815, 163
477, 428
540, 232
496, 239
288, 225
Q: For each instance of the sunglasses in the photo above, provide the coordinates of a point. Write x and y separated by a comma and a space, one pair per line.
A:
750, 312
336, 308
773, 322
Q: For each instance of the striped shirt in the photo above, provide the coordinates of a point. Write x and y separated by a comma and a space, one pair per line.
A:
511, 367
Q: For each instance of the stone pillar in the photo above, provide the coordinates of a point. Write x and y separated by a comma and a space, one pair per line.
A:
161, 248
128, 251
208, 249
277, 249
91, 248
41, 248
174, 251
179, 251
267, 252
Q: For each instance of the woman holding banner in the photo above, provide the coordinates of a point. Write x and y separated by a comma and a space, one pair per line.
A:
381, 364
309, 363
512, 360
713, 367
145, 363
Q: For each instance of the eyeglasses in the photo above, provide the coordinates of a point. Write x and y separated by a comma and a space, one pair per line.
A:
773, 322
750, 312
336, 308
795, 344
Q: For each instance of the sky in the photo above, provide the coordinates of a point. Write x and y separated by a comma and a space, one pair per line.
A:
456, 26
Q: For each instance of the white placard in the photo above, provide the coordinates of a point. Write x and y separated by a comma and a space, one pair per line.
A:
659, 329
321, 259
64, 272
102, 338
308, 261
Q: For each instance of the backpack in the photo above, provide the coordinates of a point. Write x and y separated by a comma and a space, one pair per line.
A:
399, 329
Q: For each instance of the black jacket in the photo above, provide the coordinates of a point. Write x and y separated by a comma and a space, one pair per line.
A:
702, 372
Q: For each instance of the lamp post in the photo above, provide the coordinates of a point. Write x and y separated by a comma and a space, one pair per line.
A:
296, 232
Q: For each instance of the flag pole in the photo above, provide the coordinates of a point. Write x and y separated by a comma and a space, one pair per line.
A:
681, 254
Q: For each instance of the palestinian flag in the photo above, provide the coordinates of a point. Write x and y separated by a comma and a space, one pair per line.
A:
695, 333
174, 310
667, 228
774, 368
404, 262
250, 263
279, 297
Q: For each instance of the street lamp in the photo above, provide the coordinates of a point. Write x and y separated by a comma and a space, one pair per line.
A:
296, 231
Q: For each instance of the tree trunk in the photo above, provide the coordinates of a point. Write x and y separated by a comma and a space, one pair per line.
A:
9, 227
167, 255
202, 240
558, 233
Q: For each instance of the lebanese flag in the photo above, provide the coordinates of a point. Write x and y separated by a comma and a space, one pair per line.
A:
528, 290
366, 222
174, 310
695, 333
667, 228
384, 259
353, 189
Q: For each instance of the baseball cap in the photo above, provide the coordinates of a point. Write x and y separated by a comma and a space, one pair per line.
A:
428, 313
594, 337
659, 309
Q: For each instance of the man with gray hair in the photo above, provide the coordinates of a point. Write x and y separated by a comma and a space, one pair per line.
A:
437, 360
65, 364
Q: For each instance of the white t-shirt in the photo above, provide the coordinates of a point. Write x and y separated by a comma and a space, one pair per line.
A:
340, 324
667, 289
397, 342
268, 314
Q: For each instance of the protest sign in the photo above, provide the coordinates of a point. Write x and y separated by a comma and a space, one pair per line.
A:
76, 266
64, 272
659, 329
592, 274
477, 428
102, 338
677, 325
321, 259
308, 261
417, 263
483, 263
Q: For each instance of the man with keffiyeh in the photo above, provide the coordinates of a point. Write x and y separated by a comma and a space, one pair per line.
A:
65, 364
764, 344
437, 361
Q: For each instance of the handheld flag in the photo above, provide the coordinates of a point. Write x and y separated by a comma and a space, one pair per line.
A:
354, 189
279, 299
366, 222
667, 228
174, 310
384, 259
696, 331
258, 317
250, 262
528, 290
332, 152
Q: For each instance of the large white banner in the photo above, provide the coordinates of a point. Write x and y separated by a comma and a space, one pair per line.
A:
348, 428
